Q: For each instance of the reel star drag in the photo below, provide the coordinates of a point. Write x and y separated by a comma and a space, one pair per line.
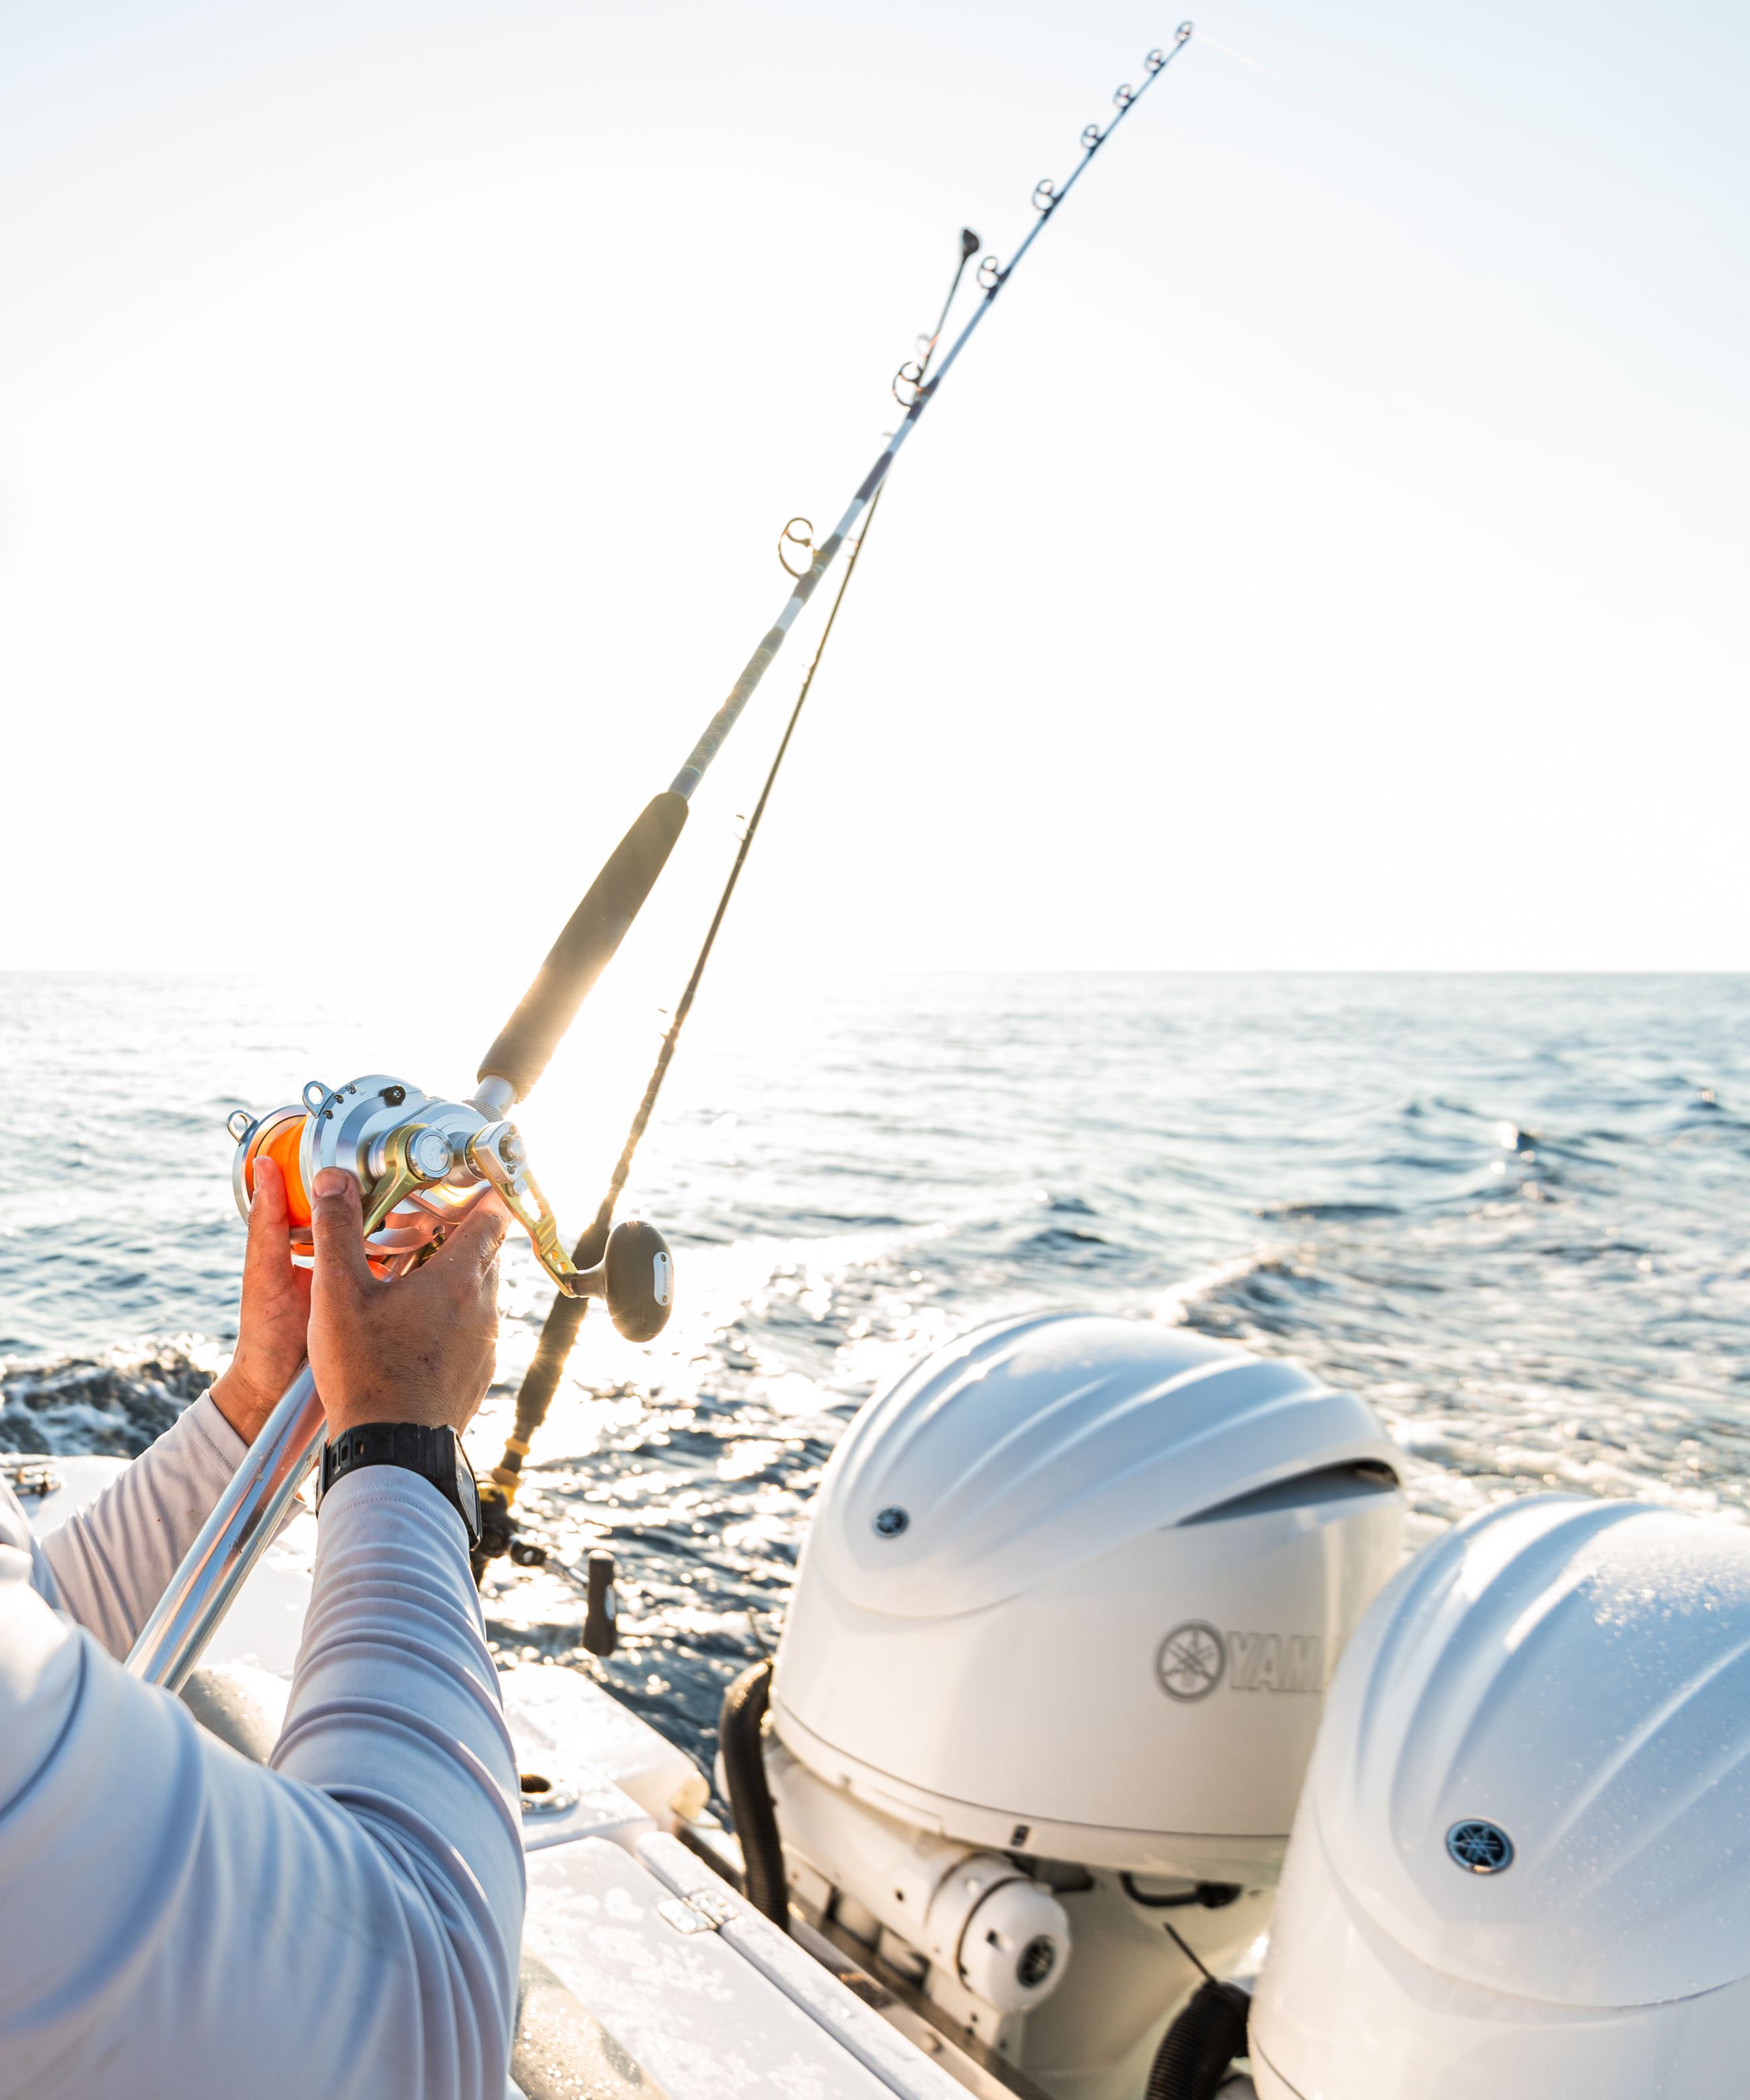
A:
421, 1165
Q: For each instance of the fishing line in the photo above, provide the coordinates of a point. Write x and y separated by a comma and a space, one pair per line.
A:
914, 387
1300, 87
1258, 65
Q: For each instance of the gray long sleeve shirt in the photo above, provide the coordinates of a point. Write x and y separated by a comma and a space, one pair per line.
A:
176, 1923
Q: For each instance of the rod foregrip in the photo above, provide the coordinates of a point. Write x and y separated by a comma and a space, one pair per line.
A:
594, 930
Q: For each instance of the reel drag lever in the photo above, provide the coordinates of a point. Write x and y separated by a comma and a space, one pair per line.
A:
416, 1155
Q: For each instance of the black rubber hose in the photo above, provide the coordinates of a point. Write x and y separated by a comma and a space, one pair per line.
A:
594, 930
750, 1807
1197, 2050
1212, 1896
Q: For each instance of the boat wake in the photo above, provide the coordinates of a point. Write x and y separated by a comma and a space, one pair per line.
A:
112, 1407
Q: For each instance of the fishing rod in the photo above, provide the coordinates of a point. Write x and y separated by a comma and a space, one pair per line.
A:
565, 1315
914, 389
520, 1055
422, 1162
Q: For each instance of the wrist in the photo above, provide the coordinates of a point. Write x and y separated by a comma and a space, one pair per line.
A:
386, 1404
431, 1452
244, 1405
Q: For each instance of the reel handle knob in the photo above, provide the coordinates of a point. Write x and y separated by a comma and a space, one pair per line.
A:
634, 1279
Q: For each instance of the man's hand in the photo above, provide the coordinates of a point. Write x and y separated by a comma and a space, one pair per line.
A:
274, 1312
417, 1348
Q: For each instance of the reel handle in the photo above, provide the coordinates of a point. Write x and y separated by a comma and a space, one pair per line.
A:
634, 1279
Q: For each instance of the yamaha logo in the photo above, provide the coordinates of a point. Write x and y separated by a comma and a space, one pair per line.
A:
1191, 1660
1479, 1847
1194, 1657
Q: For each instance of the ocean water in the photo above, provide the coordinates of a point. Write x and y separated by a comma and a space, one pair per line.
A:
1509, 1211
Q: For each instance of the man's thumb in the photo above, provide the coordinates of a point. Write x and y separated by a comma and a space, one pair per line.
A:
338, 1225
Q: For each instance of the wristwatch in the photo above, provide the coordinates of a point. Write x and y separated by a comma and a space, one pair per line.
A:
435, 1454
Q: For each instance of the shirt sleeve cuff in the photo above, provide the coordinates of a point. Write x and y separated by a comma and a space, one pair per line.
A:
396, 1484
205, 1422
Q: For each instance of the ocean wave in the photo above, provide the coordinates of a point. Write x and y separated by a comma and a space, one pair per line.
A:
112, 1406
1186, 1303
1330, 1213
1065, 1240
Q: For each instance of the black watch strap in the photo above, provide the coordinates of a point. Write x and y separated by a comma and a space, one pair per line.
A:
435, 1454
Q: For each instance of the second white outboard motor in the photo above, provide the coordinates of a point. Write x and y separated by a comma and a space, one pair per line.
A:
1054, 1667
1522, 1867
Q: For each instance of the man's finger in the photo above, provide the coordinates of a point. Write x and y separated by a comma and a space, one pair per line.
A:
266, 1254
472, 1249
266, 1208
336, 1222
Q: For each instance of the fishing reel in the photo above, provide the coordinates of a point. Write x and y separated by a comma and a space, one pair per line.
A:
422, 1164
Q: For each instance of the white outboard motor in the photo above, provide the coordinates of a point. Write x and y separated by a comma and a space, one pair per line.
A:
1521, 1867
1054, 1667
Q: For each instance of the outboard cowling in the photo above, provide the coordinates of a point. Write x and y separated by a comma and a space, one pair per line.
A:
1522, 1866
1075, 1586
1070, 1600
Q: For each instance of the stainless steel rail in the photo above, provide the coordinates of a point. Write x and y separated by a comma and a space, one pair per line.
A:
233, 1538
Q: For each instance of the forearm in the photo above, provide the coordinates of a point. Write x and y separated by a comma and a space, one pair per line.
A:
111, 1561
395, 1712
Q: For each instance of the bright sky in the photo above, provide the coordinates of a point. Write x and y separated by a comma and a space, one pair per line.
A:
1331, 553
